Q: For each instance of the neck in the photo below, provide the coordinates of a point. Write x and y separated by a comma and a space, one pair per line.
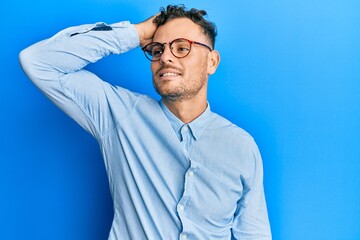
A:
186, 110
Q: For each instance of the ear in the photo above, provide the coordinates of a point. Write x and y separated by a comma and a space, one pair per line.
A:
213, 61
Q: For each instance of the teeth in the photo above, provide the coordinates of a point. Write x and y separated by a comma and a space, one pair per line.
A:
169, 74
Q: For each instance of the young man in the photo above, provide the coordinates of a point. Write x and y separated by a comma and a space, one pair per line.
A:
176, 170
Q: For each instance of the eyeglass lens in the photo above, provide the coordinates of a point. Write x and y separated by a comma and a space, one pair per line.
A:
179, 48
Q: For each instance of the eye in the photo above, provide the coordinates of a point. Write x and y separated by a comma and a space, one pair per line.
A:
157, 51
182, 47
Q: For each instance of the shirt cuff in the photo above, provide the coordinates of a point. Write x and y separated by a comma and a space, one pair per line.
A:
127, 34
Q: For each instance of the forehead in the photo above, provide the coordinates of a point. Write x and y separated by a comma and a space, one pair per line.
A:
178, 28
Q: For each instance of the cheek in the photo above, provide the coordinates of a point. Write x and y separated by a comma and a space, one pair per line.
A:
199, 67
195, 66
153, 67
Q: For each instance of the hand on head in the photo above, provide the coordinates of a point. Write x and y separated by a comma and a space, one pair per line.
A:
146, 30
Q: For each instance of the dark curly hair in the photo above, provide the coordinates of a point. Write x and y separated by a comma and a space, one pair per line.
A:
195, 15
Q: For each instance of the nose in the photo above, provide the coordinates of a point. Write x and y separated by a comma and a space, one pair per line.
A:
167, 55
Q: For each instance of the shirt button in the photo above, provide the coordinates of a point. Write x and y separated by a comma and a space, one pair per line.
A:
186, 128
181, 207
191, 173
183, 236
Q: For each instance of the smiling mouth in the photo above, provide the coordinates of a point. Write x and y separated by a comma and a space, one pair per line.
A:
169, 74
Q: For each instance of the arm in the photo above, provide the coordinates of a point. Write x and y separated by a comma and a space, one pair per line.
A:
251, 218
55, 66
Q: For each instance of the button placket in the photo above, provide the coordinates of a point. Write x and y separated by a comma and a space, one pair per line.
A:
184, 204
186, 136
189, 178
186, 197
191, 172
181, 207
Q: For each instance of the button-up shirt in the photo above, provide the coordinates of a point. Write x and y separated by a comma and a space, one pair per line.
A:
168, 180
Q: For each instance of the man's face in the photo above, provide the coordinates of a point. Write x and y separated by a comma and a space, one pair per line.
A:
179, 79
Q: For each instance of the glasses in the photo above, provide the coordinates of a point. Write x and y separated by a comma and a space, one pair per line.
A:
179, 47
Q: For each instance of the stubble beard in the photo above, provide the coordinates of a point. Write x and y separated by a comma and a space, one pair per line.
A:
186, 89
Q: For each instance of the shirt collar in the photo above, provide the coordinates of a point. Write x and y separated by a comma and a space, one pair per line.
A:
197, 126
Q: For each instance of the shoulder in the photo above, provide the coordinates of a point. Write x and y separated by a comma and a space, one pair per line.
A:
237, 142
228, 129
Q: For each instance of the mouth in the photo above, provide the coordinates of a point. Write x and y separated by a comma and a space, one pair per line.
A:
169, 73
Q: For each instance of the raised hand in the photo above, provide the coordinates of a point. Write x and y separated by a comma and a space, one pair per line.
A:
146, 30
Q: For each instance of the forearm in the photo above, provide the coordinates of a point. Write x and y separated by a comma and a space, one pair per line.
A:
73, 48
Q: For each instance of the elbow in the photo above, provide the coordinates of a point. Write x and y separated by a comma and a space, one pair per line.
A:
23, 58
30, 63
27, 62
38, 69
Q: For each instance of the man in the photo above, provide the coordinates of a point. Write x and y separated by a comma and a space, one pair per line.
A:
176, 170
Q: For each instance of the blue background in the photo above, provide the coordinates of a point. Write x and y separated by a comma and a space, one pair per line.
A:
289, 75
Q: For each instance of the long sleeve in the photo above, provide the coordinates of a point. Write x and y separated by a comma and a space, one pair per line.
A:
55, 66
251, 218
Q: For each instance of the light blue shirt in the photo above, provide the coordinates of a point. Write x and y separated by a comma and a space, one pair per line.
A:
168, 180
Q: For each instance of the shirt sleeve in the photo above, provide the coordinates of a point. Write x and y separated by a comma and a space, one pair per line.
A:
55, 66
251, 218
